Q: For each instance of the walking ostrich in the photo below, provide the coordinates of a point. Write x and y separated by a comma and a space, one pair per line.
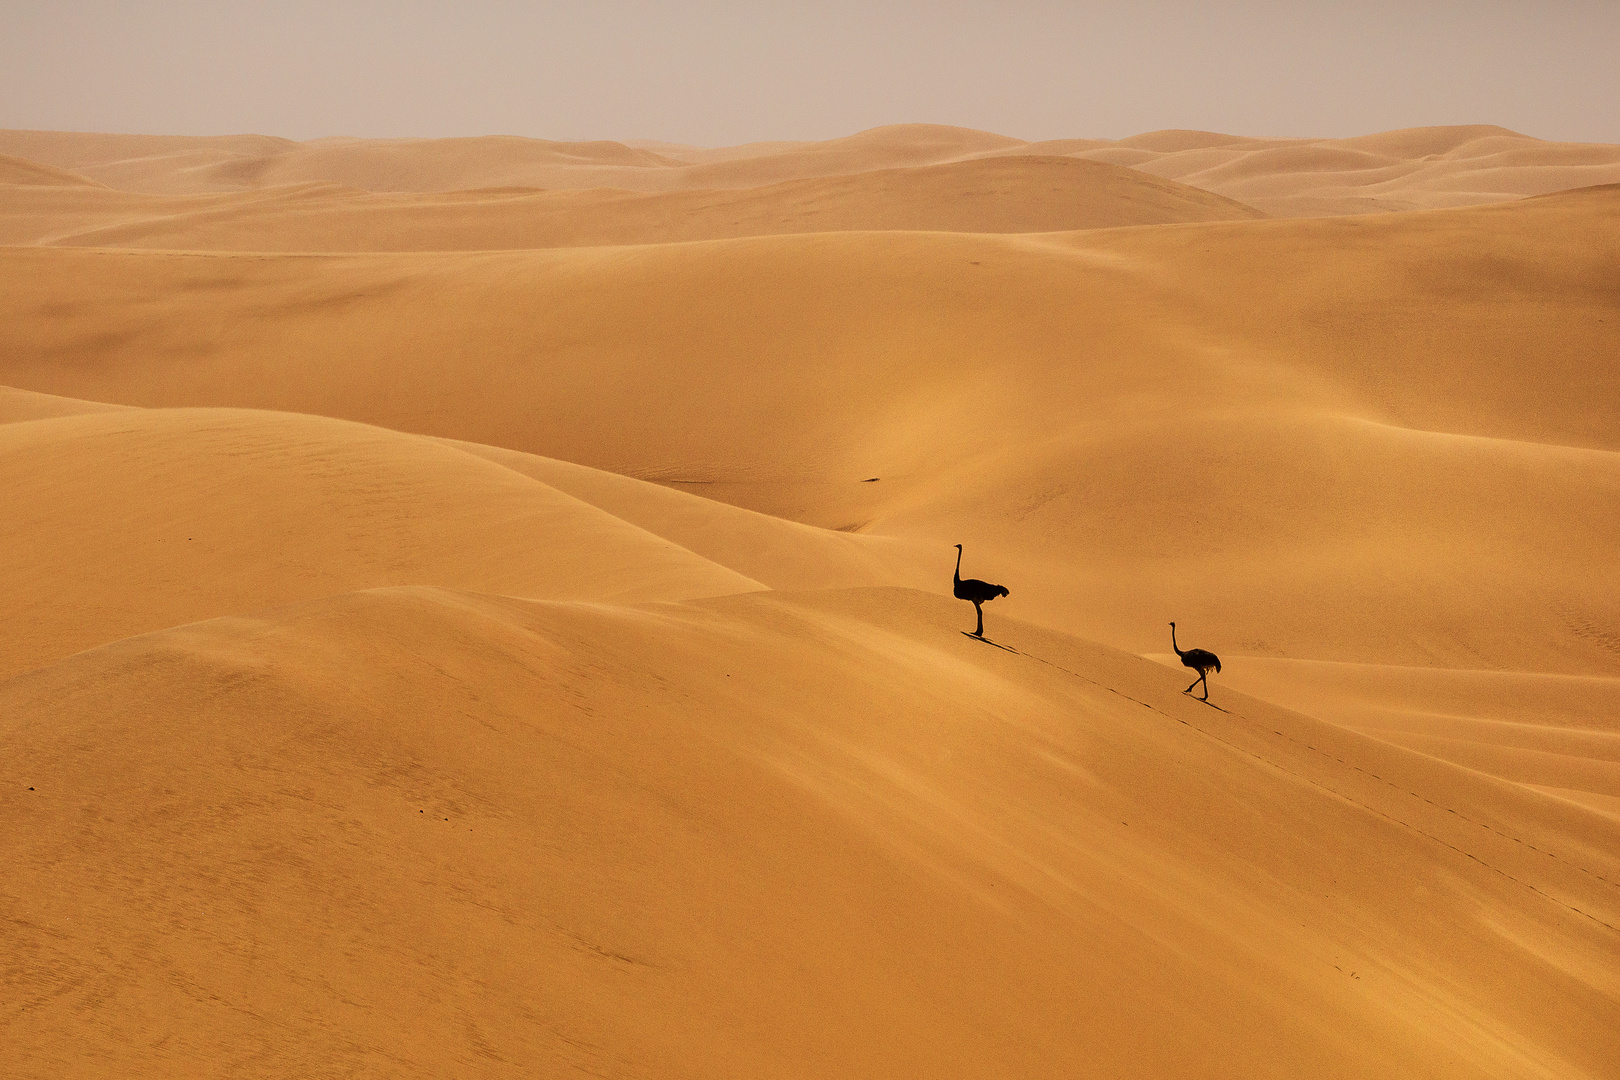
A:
1200, 660
975, 590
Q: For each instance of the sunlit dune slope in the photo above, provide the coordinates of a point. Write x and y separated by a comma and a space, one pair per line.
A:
28, 405
1418, 168
1267, 427
1024, 194
420, 832
1557, 733
119, 523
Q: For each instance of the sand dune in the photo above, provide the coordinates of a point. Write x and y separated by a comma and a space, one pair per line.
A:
811, 835
124, 522
777, 553
1414, 169
1557, 733
15, 172
446, 660
1418, 168
194, 165
18, 405
141, 162
1145, 421
1011, 195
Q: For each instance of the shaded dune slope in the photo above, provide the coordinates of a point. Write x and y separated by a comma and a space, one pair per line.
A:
812, 835
776, 552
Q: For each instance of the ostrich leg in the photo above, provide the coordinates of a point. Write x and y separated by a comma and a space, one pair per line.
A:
978, 607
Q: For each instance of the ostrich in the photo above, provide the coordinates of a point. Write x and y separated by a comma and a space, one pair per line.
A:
1200, 660
975, 590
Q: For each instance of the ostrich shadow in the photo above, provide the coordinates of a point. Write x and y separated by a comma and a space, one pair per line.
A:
987, 641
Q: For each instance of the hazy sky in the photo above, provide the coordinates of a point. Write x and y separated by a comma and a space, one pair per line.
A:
713, 72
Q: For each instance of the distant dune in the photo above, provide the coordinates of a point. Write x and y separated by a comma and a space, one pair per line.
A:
1419, 168
15, 172
1415, 169
459, 628
1001, 195
195, 165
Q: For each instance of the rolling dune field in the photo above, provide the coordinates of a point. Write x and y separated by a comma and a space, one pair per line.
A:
483, 607
1002, 195
1413, 169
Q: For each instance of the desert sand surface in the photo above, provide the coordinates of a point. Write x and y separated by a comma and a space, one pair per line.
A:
509, 632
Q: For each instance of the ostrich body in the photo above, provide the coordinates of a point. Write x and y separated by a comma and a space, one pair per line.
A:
975, 590
1200, 660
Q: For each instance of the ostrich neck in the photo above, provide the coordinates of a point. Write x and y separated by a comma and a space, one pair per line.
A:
957, 575
1173, 641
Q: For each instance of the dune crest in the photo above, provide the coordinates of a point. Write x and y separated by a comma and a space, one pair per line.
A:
127, 522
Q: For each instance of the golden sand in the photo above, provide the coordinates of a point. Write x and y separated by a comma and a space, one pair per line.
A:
463, 630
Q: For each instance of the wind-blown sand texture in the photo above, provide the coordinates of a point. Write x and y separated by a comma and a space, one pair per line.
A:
508, 633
